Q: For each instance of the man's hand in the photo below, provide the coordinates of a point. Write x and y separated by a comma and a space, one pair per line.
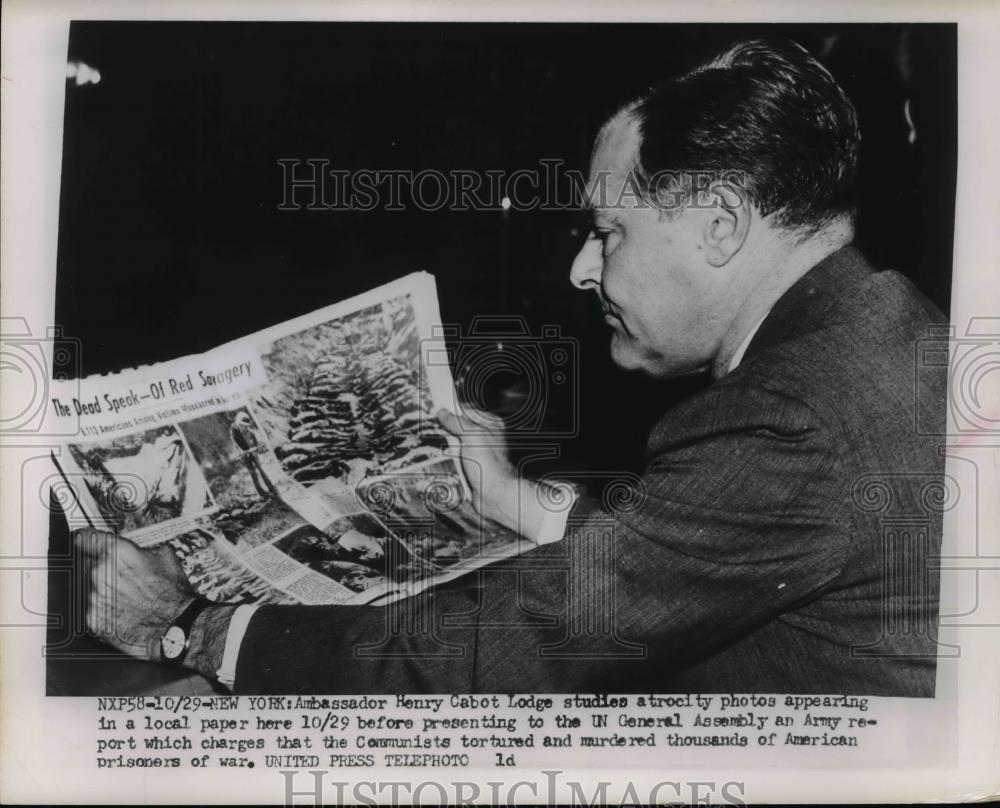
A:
492, 478
136, 594
498, 492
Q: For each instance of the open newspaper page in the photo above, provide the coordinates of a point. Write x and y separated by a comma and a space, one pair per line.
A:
301, 464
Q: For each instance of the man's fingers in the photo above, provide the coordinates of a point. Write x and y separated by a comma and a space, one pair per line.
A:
482, 419
449, 421
93, 543
471, 420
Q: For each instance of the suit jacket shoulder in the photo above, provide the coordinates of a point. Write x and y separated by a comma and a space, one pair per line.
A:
837, 361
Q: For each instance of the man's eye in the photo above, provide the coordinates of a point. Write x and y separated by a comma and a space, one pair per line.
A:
605, 237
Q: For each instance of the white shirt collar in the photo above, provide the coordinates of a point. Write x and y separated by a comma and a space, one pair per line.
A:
742, 349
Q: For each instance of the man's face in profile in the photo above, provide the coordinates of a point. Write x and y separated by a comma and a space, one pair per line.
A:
662, 300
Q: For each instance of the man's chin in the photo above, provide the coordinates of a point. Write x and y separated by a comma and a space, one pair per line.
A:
627, 356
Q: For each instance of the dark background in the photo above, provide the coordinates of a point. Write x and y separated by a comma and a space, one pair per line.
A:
171, 241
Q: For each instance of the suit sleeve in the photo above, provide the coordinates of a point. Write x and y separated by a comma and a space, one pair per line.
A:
739, 517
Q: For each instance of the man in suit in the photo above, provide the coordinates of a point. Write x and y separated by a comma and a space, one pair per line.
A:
754, 555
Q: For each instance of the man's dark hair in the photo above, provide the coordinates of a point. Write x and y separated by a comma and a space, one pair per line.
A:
766, 112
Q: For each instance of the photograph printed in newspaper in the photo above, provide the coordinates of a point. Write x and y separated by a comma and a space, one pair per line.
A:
302, 464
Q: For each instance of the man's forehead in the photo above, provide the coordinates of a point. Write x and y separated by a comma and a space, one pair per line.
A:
613, 158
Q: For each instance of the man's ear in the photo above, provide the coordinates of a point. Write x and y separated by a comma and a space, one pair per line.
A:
727, 222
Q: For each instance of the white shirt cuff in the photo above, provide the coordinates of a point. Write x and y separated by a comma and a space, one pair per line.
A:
558, 500
226, 674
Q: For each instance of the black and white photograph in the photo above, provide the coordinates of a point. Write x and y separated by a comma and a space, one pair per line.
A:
708, 223
355, 551
582, 391
233, 457
244, 476
429, 509
349, 396
215, 571
255, 523
143, 479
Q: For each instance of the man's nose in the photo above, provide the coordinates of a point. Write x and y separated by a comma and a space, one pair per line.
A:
586, 270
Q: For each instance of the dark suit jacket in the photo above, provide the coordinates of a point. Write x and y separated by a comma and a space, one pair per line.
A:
782, 539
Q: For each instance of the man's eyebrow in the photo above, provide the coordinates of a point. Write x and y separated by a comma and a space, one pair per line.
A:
605, 214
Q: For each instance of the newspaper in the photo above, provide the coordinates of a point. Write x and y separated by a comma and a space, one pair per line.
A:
476, 89
301, 464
